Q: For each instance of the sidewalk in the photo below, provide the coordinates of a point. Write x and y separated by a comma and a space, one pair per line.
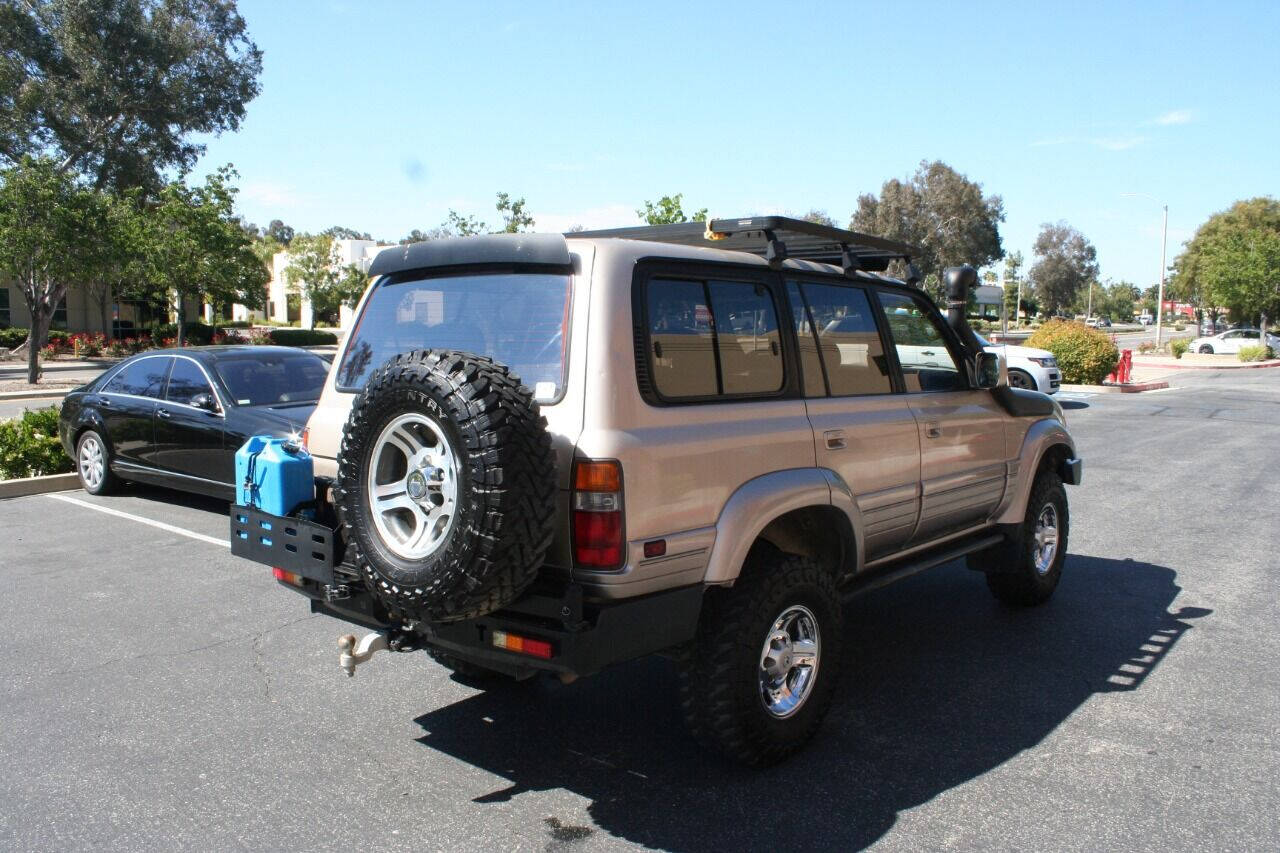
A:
9, 369
1160, 366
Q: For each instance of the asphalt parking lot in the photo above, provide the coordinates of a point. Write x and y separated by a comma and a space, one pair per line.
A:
159, 693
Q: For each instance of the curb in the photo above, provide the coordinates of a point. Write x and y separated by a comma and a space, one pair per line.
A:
32, 395
1253, 365
38, 485
1131, 388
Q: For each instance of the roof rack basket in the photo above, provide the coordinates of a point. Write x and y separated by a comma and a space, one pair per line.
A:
777, 238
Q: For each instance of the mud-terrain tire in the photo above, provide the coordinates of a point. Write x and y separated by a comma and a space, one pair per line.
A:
473, 517
723, 675
1020, 572
93, 464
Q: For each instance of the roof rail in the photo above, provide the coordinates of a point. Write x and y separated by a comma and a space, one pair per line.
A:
777, 238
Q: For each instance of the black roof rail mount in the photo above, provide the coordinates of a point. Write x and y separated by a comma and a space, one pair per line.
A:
776, 238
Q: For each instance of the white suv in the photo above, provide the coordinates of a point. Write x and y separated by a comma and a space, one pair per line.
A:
547, 453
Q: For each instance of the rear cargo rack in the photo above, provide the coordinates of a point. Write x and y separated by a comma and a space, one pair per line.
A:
776, 238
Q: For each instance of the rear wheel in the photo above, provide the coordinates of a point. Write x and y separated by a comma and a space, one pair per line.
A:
1205, 349
93, 464
1021, 379
759, 677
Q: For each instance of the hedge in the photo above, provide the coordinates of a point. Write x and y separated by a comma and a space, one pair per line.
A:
1178, 346
302, 337
29, 446
1255, 352
1085, 356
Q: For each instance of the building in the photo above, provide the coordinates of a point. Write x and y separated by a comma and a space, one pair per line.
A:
285, 301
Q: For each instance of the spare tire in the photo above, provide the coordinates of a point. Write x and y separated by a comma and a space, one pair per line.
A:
446, 485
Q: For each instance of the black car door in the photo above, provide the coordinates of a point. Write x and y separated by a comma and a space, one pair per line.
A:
128, 406
189, 438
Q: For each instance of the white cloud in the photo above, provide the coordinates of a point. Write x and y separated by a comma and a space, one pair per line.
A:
1175, 117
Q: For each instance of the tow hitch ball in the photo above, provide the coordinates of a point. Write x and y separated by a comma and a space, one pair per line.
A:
351, 653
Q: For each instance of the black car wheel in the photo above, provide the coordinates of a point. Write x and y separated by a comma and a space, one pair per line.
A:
93, 464
1205, 349
1021, 379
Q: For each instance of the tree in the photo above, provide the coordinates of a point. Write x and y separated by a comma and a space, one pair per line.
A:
1065, 261
113, 89
341, 232
43, 218
1233, 261
819, 217
197, 249
457, 225
940, 211
314, 269
416, 236
280, 232
117, 252
1117, 301
668, 210
514, 216
1013, 284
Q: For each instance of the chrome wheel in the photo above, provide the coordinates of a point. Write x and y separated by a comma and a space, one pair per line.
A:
93, 462
789, 661
1046, 539
413, 486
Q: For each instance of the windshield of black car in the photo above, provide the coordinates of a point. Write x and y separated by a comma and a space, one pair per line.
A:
517, 319
270, 379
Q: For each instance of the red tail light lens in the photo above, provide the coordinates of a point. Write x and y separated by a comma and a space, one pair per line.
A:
597, 515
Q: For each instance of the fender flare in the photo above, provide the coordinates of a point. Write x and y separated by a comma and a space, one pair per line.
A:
757, 502
1042, 436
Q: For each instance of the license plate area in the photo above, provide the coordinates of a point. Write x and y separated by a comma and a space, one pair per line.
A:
295, 544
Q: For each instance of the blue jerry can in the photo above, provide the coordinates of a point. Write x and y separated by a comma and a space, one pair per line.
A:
274, 475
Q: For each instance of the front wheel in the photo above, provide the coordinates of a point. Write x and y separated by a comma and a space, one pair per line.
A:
1021, 379
1026, 570
1205, 349
93, 464
758, 679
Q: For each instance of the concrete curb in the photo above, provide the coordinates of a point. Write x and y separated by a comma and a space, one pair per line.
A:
1240, 365
1131, 388
38, 485
32, 395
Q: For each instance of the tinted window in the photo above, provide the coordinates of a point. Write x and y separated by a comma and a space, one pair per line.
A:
927, 364
848, 340
807, 338
518, 319
271, 378
708, 338
141, 378
186, 380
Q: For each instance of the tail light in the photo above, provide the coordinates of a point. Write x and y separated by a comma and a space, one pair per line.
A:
597, 515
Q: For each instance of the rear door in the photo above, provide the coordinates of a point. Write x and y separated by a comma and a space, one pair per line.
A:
961, 429
129, 407
864, 431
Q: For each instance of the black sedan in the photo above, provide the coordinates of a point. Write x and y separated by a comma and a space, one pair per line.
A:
177, 417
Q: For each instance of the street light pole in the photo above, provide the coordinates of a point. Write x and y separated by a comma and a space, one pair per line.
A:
1164, 242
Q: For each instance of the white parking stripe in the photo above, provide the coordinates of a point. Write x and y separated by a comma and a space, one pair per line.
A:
152, 522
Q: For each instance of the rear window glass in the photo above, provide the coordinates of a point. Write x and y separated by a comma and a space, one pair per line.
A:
270, 379
713, 338
518, 319
142, 378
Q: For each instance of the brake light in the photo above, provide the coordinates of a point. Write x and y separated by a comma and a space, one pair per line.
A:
285, 576
522, 645
597, 515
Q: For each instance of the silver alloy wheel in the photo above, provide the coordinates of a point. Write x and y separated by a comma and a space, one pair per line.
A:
93, 462
789, 661
413, 486
1046, 538
1019, 379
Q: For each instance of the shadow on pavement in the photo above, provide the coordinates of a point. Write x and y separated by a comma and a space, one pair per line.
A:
1073, 404
944, 685
159, 494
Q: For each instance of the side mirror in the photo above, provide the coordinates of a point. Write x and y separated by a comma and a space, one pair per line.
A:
205, 401
987, 369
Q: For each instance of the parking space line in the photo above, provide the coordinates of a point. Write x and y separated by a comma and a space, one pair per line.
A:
190, 534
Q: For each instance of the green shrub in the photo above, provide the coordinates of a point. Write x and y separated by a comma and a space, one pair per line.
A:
29, 446
236, 324
197, 333
12, 338
302, 337
1178, 346
1256, 352
1085, 356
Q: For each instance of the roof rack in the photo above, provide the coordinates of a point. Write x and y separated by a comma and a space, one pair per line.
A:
777, 238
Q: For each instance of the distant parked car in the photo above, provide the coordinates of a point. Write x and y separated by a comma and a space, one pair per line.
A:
1098, 322
1146, 319
1029, 367
175, 418
1231, 341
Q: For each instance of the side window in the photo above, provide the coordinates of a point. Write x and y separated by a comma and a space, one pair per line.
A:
927, 364
186, 380
810, 363
848, 339
712, 338
143, 378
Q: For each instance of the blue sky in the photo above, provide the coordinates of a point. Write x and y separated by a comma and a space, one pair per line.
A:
382, 116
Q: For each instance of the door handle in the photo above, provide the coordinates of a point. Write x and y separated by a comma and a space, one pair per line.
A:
932, 430
162, 413
835, 439
103, 401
